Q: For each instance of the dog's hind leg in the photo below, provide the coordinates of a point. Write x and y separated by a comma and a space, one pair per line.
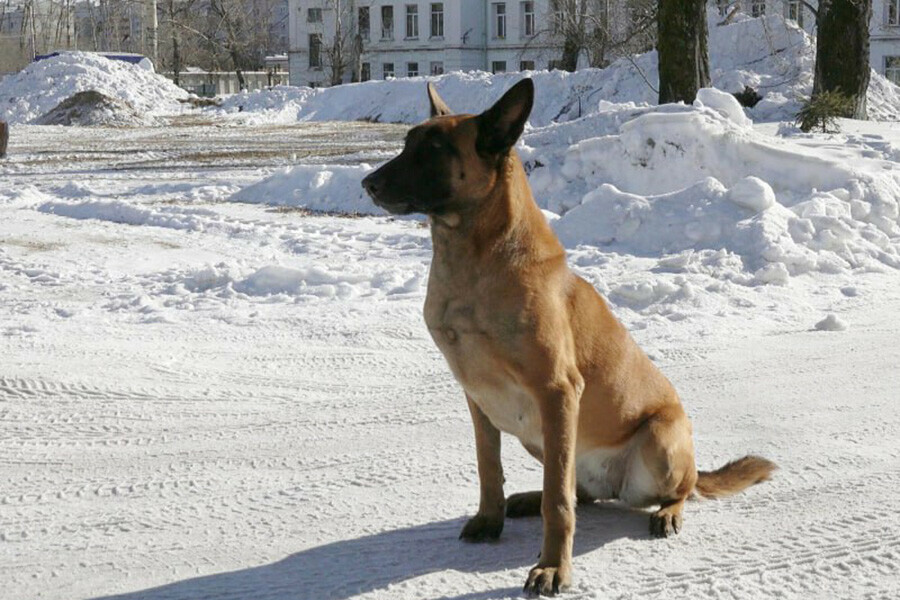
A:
487, 524
661, 469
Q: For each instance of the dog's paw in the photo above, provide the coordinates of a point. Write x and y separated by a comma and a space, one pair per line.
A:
547, 581
665, 523
481, 528
526, 504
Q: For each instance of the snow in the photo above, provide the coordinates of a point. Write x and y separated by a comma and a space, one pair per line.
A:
29, 94
769, 54
208, 390
831, 323
210, 398
333, 188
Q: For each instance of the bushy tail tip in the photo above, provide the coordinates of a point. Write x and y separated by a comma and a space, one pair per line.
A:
734, 477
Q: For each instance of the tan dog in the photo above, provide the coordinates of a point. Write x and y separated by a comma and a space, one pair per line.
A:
534, 346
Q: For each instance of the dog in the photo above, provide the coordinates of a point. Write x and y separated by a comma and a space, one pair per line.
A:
535, 347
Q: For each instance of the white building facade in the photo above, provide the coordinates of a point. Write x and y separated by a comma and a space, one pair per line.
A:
409, 38
884, 40
406, 39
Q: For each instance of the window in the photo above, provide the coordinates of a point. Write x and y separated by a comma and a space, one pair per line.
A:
437, 68
388, 70
387, 24
892, 13
499, 20
437, 19
412, 69
412, 21
362, 21
892, 68
315, 51
365, 71
554, 64
527, 19
795, 11
757, 8
498, 66
526, 65
313, 15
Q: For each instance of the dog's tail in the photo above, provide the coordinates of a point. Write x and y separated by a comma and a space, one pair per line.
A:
734, 477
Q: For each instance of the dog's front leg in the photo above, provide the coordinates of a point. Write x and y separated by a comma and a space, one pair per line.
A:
559, 417
488, 523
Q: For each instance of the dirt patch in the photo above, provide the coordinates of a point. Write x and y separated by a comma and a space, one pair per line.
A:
305, 212
91, 108
33, 245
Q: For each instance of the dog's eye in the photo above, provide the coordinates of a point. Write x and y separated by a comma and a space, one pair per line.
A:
437, 144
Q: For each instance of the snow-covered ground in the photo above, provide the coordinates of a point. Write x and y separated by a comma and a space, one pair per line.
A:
215, 381
202, 398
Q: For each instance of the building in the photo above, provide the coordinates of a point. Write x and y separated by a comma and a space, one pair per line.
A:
378, 39
884, 40
405, 39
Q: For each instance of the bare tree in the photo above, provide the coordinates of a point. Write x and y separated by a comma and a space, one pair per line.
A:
347, 47
598, 29
177, 16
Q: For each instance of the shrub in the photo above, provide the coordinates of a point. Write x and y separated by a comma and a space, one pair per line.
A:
823, 110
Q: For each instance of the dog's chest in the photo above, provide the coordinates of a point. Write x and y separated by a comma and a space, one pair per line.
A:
472, 340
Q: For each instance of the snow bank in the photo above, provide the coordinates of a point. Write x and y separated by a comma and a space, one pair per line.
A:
692, 181
127, 213
404, 100
42, 85
769, 54
695, 187
282, 283
330, 188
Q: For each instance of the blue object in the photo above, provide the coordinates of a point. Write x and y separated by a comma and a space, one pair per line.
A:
125, 57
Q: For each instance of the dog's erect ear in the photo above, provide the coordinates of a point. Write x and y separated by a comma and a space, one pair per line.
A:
501, 125
438, 107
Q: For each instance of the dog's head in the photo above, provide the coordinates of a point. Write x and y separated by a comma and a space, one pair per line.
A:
452, 163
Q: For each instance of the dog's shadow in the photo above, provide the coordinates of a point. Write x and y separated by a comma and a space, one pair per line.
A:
344, 569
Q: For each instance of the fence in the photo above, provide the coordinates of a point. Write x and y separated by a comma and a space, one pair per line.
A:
218, 83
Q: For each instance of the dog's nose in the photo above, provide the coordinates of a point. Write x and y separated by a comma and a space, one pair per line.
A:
370, 185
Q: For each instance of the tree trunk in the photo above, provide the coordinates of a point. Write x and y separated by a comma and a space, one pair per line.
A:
682, 48
571, 50
4, 138
842, 51
176, 59
574, 34
337, 49
176, 51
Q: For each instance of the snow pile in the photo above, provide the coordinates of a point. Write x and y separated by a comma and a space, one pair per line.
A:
708, 194
831, 323
769, 54
694, 187
118, 211
404, 101
275, 283
330, 188
43, 85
